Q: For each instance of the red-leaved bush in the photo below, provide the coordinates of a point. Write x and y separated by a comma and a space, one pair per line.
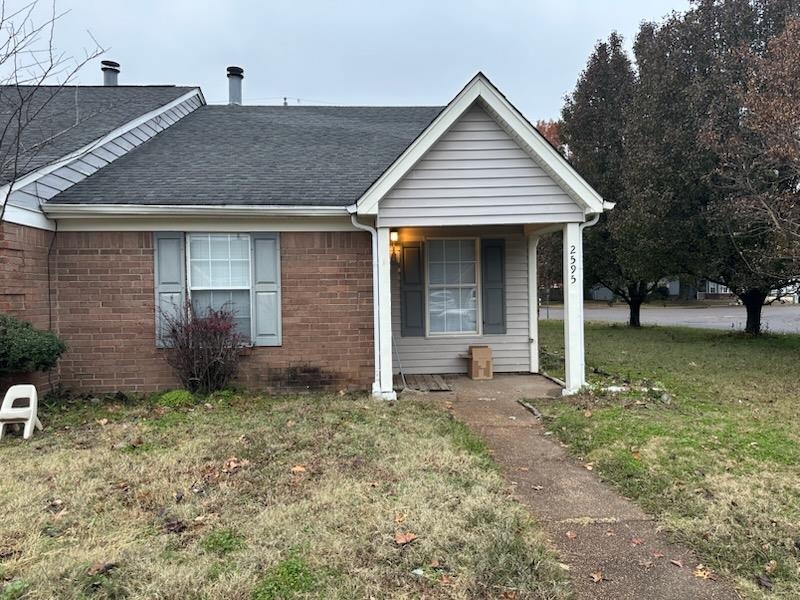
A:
203, 348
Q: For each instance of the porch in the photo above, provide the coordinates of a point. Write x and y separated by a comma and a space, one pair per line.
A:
455, 287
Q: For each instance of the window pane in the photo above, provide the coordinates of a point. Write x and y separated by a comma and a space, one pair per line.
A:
436, 250
240, 273
200, 275
198, 246
436, 273
240, 248
467, 250
220, 274
220, 246
236, 301
452, 273
467, 273
451, 250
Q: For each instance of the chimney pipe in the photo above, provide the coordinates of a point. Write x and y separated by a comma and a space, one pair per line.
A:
235, 76
110, 70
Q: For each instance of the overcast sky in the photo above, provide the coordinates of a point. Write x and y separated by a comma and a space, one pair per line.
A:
382, 52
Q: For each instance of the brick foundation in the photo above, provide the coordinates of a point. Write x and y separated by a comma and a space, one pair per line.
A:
103, 285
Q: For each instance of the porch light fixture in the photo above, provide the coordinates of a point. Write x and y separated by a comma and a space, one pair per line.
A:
394, 237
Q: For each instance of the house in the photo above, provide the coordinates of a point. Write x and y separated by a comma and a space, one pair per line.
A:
353, 240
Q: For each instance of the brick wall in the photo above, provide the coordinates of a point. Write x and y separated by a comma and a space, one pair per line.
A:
23, 284
104, 292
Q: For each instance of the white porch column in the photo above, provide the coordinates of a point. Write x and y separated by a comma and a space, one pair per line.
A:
384, 337
573, 309
533, 302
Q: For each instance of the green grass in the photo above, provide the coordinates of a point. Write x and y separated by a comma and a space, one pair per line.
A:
716, 455
247, 497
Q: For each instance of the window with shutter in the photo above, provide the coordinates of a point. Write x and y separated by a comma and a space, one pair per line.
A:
240, 272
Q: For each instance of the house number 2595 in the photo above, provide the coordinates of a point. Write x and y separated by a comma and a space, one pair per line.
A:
572, 266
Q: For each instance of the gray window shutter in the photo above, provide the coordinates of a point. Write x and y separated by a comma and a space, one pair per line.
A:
493, 281
170, 278
266, 290
412, 290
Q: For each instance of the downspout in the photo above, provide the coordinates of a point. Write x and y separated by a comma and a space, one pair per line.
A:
376, 385
590, 223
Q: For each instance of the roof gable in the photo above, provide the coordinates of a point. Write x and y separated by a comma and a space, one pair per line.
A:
482, 92
477, 173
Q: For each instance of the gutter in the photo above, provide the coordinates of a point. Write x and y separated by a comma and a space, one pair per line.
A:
67, 211
376, 385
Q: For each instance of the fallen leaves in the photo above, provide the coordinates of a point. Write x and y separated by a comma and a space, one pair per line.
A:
598, 577
571, 535
399, 517
702, 572
297, 469
678, 563
646, 563
637, 541
403, 539
234, 464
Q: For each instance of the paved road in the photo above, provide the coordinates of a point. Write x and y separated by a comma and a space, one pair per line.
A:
776, 318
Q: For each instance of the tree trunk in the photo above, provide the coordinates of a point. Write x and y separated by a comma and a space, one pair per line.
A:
637, 294
635, 306
753, 301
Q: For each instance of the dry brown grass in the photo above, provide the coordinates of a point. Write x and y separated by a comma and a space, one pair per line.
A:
140, 501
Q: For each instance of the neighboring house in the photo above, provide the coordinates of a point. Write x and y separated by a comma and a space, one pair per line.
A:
352, 241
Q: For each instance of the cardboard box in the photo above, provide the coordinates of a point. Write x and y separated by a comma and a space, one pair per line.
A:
480, 362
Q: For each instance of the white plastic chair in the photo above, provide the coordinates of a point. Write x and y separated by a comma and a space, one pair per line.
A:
26, 414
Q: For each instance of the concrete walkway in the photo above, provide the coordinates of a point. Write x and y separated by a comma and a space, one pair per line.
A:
598, 533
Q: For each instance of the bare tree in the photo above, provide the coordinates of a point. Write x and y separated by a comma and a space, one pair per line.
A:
32, 73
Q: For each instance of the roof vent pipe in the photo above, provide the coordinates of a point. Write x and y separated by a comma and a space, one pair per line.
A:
235, 76
110, 71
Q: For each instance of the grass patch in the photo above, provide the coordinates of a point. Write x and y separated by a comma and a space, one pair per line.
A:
224, 541
288, 579
715, 455
247, 496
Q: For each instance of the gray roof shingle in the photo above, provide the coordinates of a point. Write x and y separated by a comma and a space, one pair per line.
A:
259, 155
59, 120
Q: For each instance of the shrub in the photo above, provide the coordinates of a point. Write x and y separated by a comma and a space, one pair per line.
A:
177, 399
23, 348
203, 348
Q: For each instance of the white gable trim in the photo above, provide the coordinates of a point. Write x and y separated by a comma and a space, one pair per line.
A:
25, 195
480, 88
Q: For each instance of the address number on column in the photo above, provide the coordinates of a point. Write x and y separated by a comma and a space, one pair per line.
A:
572, 266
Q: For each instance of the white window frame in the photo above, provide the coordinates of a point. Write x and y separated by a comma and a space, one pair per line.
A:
251, 262
478, 292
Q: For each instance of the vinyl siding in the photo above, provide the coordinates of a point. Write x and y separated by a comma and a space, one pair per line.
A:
420, 355
476, 174
47, 186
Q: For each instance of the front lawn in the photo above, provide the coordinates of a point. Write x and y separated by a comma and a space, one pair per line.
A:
250, 497
716, 454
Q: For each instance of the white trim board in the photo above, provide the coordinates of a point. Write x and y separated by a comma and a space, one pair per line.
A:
187, 223
492, 100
